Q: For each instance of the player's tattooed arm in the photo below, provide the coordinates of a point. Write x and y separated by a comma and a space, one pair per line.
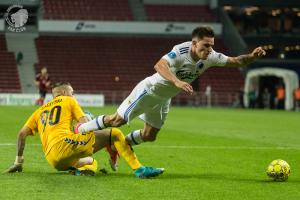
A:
17, 166
246, 59
21, 140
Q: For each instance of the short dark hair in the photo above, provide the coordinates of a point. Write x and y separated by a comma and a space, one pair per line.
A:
58, 84
203, 31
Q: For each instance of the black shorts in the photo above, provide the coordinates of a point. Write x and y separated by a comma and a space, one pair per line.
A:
43, 93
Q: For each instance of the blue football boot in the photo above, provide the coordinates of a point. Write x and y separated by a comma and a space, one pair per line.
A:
148, 172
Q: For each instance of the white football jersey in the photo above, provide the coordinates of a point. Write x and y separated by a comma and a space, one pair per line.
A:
184, 67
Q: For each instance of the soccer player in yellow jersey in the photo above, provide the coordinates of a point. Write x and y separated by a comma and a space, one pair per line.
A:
65, 150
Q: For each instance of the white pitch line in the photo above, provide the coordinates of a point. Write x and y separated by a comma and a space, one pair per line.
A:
14, 144
222, 147
193, 147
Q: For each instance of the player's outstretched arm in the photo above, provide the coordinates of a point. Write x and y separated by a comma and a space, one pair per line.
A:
246, 59
163, 68
18, 164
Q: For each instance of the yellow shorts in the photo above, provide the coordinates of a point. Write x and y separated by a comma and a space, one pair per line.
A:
66, 153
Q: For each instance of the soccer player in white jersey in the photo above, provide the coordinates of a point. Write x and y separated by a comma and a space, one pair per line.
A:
150, 99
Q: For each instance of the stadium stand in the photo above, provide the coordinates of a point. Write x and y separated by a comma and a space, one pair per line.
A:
9, 79
192, 13
116, 10
107, 64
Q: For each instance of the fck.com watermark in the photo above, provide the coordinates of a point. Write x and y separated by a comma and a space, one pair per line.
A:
16, 17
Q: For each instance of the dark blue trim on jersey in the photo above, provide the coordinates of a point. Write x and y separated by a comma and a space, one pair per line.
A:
132, 105
183, 48
184, 52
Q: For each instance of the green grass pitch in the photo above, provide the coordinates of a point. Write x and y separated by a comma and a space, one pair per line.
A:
207, 154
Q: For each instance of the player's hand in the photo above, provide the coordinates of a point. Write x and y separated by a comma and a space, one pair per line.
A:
14, 168
184, 86
258, 52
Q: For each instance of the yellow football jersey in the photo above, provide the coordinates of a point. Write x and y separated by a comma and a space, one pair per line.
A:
52, 121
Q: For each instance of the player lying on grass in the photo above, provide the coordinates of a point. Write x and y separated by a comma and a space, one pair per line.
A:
65, 150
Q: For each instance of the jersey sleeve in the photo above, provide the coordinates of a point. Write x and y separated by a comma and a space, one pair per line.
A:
76, 109
173, 57
32, 122
217, 59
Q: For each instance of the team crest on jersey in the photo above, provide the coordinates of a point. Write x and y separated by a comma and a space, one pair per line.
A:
185, 74
172, 54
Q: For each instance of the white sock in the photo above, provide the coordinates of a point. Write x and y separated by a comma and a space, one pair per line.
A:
134, 138
95, 124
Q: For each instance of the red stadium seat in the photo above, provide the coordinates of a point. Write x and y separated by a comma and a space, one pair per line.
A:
9, 77
192, 13
92, 64
116, 10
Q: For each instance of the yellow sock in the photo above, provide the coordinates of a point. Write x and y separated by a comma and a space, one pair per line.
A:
93, 167
124, 149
